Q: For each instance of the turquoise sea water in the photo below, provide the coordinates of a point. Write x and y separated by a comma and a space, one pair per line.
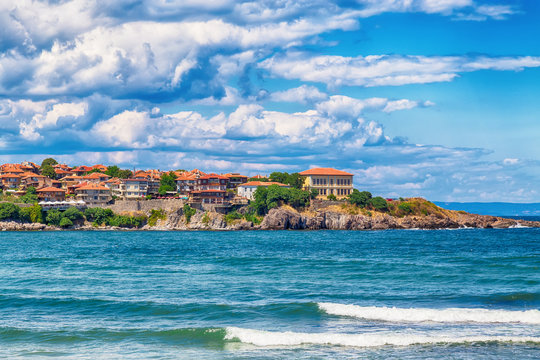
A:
265, 295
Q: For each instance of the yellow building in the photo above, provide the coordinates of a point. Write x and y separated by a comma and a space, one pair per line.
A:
328, 181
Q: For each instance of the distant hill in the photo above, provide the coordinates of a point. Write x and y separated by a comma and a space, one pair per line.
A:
494, 208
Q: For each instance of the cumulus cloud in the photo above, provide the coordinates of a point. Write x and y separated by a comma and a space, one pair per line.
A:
302, 94
386, 70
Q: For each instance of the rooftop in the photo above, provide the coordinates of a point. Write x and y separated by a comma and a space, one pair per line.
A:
325, 171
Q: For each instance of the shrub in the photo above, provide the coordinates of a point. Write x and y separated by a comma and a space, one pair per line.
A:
360, 198
53, 217
378, 203
31, 196
73, 214
405, 208
98, 215
253, 218
65, 222
126, 221
233, 215
156, 215
332, 197
9, 211
205, 219
189, 212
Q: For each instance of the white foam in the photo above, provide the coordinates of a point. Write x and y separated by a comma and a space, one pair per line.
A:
450, 315
289, 338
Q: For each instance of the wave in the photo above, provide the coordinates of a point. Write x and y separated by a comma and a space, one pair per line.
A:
451, 315
288, 338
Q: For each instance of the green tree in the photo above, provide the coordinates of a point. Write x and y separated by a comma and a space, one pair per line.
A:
294, 180
65, 222
405, 208
314, 193
189, 212
112, 171
48, 171
53, 217
167, 183
9, 211
98, 215
360, 198
378, 203
31, 196
48, 162
124, 174
259, 200
73, 214
332, 197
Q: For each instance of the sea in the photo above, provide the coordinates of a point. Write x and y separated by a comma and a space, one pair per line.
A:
401, 294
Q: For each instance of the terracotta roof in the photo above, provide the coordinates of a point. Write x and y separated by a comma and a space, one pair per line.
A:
186, 176
50, 189
9, 176
213, 176
99, 166
31, 174
325, 171
135, 179
259, 177
62, 172
82, 168
262, 183
230, 175
92, 187
96, 176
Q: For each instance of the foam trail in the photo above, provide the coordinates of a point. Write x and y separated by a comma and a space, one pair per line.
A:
288, 338
450, 315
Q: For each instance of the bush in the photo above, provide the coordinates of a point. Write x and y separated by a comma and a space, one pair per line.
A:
65, 222
156, 215
98, 215
73, 214
360, 198
32, 214
253, 218
31, 196
9, 211
233, 215
332, 197
405, 208
126, 221
189, 212
205, 219
53, 217
378, 203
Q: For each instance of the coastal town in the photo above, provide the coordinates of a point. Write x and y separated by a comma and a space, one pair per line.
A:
60, 186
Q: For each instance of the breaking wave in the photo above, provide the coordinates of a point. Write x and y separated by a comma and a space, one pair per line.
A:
288, 338
450, 315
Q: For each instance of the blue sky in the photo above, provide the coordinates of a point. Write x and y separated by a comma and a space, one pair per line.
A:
432, 98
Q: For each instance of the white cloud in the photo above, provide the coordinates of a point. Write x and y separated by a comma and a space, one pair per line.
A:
30, 130
386, 70
302, 94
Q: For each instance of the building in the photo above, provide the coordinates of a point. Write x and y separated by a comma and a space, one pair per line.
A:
248, 189
134, 188
81, 170
51, 194
236, 179
96, 177
328, 181
93, 194
210, 189
10, 181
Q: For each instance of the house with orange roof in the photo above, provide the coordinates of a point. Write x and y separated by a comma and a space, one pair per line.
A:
96, 177
60, 173
51, 194
248, 189
69, 182
93, 194
210, 189
236, 179
116, 186
186, 182
10, 181
99, 167
81, 170
198, 173
328, 181
30, 179
134, 188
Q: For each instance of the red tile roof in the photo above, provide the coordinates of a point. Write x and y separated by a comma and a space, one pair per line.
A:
325, 171
9, 176
92, 187
213, 176
50, 189
232, 175
96, 176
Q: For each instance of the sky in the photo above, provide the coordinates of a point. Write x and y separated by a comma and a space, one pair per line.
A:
431, 98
